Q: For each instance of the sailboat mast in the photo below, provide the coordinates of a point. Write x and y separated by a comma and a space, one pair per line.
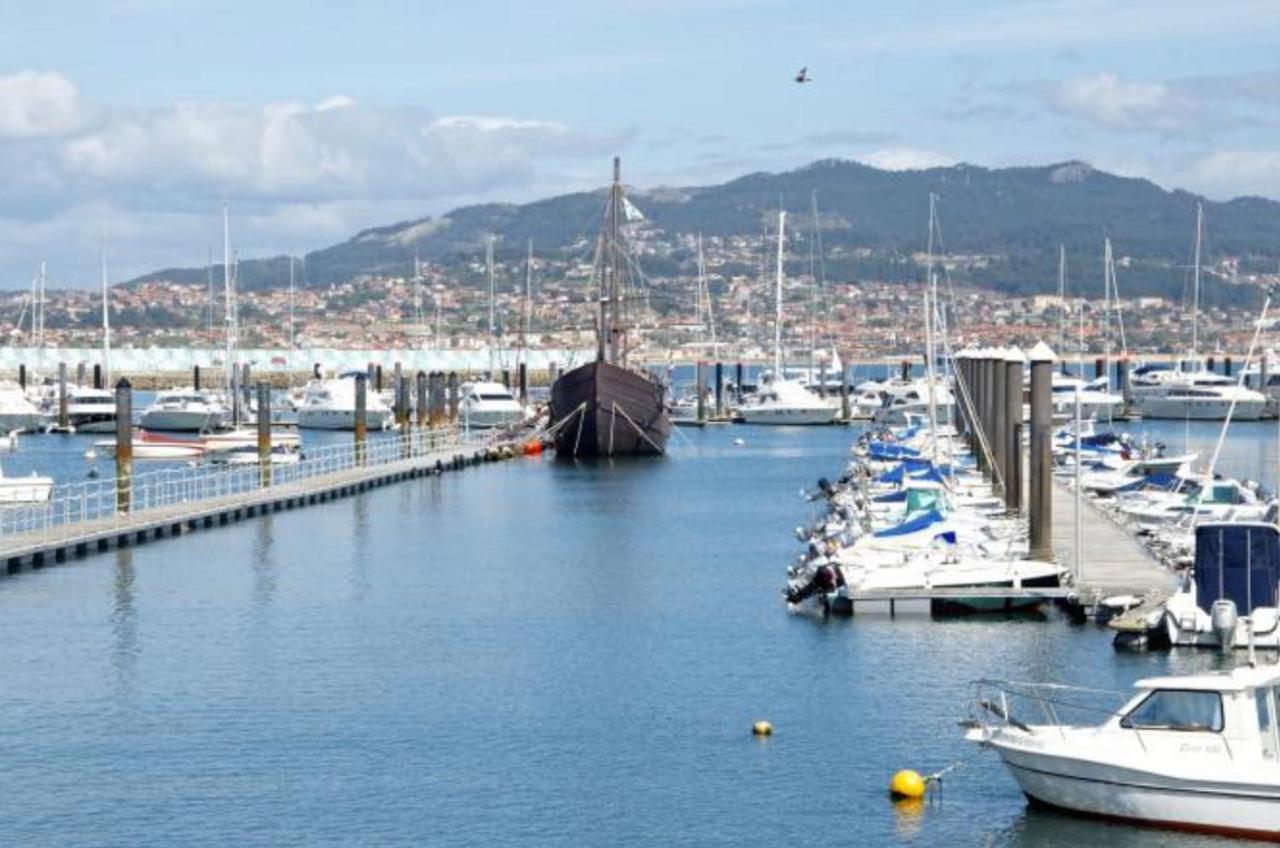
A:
930, 303
614, 327
1107, 285
777, 299
106, 320
1195, 291
227, 286
290, 301
43, 302
1062, 297
527, 307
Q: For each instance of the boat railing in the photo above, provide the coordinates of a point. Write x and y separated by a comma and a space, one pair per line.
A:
1029, 706
191, 484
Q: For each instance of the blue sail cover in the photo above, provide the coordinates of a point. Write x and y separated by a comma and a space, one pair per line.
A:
899, 496
929, 474
1239, 561
890, 451
915, 525
893, 475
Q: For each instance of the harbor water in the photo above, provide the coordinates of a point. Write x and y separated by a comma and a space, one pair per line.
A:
527, 653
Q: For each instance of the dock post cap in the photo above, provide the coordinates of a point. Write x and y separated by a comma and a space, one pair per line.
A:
123, 383
1014, 354
1041, 353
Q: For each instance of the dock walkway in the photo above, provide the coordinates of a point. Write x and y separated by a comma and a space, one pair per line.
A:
222, 497
1115, 562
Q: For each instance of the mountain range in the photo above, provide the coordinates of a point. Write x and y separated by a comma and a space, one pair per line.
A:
1007, 222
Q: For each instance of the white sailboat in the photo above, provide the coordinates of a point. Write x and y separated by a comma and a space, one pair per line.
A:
781, 400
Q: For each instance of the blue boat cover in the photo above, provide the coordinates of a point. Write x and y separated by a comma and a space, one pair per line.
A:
915, 525
893, 475
891, 450
899, 496
929, 474
1237, 561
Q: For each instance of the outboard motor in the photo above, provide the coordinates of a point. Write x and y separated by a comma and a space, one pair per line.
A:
826, 579
1223, 618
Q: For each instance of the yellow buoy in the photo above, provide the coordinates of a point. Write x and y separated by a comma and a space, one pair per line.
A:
907, 784
762, 728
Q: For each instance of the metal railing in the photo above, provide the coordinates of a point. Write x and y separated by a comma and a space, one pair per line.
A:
72, 506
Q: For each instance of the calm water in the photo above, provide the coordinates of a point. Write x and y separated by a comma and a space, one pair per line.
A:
527, 653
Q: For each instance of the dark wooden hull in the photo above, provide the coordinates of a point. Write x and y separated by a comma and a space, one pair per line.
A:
609, 411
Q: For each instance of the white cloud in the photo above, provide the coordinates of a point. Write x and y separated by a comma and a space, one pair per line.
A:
905, 159
1232, 173
39, 104
1108, 101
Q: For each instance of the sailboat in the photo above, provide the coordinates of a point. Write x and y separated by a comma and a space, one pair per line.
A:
604, 408
782, 400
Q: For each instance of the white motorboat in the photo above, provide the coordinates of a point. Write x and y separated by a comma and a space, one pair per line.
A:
1196, 752
21, 491
904, 400
1096, 398
151, 446
1230, 597
185, 411
787, 402
1195, 395
248, 455
91, 410
17, 412
485, 404
331, 405
248, 437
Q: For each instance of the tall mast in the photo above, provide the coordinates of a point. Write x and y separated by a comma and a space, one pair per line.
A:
930, 303
228, 293
417, 294
527, 310
43, 302
1062, 297
1195, 292
290, 301
1107, 285
209, 282
615, 325
106, 319
488, 264
777, 296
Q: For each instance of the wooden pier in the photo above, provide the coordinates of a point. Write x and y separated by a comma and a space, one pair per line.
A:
58, 542
1115, 561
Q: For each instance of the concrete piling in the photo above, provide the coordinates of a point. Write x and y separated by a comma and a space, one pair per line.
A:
64, 417
235, 396
402, 405
80, 372
700, 387
124, 446
905, 370
264, 433
1226, 365
719, 390
195, 377
738, 378
454, 400
1013, 430
999, 422
1099, 368
846, 411
1040, 504
97, 376
22, 377
435, 403
246, 388
522, 380
361, 423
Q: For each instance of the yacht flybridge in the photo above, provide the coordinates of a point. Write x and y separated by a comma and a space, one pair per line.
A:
1194, 752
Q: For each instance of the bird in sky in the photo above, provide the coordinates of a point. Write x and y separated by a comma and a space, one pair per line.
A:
803, 76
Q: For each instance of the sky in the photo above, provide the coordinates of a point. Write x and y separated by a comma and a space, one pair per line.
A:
130, 122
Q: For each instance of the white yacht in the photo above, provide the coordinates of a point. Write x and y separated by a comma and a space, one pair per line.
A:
1197, 395
1196, 752
906, 398
185, 411
488, 404
787, 402
1096, 398
331, 405
17, 412
91, 410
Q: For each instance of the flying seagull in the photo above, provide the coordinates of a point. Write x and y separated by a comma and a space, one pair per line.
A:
803, 76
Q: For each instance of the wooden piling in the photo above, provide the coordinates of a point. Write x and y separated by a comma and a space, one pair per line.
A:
124, 446
420, 398
435, 403
739, 375
522, 377
97, 376
402, 405
1040, 505
720, 390
195, 377
80, 372
236, 408
1226, 365
361, 423
453, 396
264, 433
64, 417
700, 386
246, 388
22, 376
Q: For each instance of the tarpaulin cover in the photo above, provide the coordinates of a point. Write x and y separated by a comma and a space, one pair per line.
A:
889, 450
1239, 561
892, 497
920, 522
893, 475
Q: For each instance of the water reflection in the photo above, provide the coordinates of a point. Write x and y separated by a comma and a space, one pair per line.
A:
124, 625
265, 575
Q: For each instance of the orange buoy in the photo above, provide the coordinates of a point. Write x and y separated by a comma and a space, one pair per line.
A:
533, 447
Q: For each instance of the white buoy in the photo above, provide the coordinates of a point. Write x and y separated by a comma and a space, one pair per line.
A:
91, 454
739, 441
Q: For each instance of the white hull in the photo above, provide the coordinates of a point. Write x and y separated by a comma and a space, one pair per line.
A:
1101, 789
179, 421
786, 415
30, 421
340, 419
19, 490
1199, 409
484, 419
93, 424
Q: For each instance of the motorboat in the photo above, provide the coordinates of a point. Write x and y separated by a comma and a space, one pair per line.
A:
248, 455
485, 404
904, 399
91, 410
1095, 398
156, 446
331, 405
17, 411
22, 491
1181, 394
185, 411
1230, 597
783, 401
1193, 752
248, 437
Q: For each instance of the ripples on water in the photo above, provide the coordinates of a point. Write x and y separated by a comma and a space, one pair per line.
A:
527, 653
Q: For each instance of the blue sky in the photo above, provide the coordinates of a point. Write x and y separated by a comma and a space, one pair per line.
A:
137, 117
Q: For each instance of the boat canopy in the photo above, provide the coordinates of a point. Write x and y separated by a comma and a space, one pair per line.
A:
1239, 561
891, 451
914, 525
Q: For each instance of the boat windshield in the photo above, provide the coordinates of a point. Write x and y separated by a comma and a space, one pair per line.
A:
1177, 709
